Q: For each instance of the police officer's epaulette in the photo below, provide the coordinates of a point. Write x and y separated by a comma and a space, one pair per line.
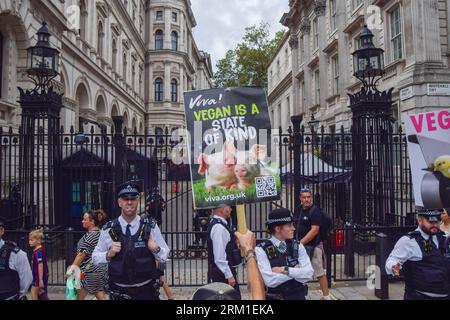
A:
110, 224
413, 234
14, 247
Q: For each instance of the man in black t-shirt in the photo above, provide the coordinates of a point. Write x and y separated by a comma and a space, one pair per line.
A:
309, 220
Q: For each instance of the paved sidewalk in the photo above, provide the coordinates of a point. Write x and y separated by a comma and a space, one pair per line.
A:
351, 290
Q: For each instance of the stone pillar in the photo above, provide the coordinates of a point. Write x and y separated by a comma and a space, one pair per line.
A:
293, 43
426, 31
166, 81
167, 29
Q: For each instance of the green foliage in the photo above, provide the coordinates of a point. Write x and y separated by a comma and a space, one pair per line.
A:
247, 64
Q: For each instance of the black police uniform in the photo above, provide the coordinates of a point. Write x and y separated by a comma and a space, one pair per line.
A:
9, 279
431, 274
292, 289
134, 263
232, 254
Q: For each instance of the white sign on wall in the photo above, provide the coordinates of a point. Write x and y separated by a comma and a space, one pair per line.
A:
435, 89
406, 93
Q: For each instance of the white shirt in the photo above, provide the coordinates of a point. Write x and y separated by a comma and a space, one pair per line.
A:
220, 237
406, 249
105, 241
303, 273
19, 262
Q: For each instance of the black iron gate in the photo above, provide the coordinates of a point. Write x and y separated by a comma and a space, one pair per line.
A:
88, 172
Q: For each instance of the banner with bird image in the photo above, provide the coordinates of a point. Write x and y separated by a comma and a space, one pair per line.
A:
230, 145
428, 136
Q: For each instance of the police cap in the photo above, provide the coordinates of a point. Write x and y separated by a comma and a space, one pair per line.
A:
279, 217
129, 189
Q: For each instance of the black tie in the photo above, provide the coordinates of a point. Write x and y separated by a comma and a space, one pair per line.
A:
128, 232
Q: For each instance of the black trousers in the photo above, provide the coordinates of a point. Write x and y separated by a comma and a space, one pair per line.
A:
298, 293
149, 291
215, 275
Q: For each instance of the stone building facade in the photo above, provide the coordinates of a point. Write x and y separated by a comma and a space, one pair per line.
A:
127, 57
323, 33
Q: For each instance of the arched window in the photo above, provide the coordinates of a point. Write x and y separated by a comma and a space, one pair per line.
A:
83, 19
124, 66
114, 55
174, 90
159, 89
159, 39
174, 37
159, 132
100, 37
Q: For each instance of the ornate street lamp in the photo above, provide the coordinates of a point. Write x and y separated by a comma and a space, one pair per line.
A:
42, 60
41, 109
313, 122
368, 62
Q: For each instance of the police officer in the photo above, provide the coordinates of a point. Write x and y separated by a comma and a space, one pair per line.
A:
223, 252
282, 260
420, 257
15, 271
131, 245
155, 205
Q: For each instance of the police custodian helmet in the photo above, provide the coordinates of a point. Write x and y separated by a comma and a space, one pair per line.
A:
129, 189
279, 217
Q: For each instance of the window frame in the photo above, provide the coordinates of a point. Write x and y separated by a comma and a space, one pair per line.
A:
159, 89
174, 93
335, 73
157, 17
316, 33
317, 87
159, 39
174, 16
395, 42
333, 15
174, 40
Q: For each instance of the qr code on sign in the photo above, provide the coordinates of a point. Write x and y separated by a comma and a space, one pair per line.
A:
265, 187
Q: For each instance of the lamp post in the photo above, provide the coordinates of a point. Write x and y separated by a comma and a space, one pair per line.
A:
372, 137
40, 146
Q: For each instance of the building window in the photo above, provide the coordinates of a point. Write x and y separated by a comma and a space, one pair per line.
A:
124, 66
159, 39
356, 4
100, 37
302, 50
317, 85
174, 38
316, 34
335, 65
174, 90
159, 15
83, 19
140, 82
174, 17
159, 89
303, 93
114, 55
396, 34
1, 63
288, 111
333, 14
278, 68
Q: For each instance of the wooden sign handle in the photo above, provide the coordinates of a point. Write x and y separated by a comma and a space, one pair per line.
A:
241, 222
